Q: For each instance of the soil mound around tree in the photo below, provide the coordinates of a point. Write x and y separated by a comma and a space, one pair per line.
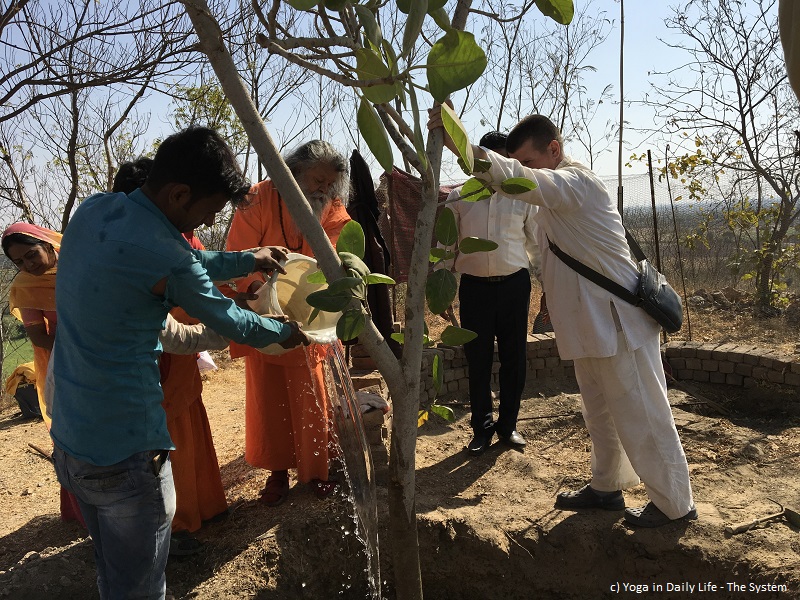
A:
487, 525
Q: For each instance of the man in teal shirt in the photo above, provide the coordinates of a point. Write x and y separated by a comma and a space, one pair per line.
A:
123, 265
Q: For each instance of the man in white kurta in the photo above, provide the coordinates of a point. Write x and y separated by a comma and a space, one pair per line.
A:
494, 300
614, 345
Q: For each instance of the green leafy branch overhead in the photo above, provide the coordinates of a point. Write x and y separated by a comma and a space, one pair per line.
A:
352, 50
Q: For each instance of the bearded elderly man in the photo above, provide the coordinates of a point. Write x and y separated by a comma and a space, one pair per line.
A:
287, 425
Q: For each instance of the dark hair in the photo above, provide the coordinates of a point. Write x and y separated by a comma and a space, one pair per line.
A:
200, 158
494, 140
537, 129
24, 239
132, 175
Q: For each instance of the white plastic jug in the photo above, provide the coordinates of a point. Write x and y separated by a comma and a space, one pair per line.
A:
285, 294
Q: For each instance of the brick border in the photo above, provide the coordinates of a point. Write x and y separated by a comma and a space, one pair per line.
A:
743, 365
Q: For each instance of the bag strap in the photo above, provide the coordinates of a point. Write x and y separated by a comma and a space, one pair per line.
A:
592, 275
634, 246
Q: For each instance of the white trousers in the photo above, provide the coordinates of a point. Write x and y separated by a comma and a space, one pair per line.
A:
633, 433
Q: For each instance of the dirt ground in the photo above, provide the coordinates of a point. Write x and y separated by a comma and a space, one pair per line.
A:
487, 525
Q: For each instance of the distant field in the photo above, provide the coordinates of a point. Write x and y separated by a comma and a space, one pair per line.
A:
17, 348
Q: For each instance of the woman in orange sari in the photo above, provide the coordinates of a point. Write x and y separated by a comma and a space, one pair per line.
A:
32, 299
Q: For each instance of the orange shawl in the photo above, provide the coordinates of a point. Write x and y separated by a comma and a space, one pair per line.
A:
33, 291
36, 292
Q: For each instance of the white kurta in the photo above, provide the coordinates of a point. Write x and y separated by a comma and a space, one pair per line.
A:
576, 212
614, 344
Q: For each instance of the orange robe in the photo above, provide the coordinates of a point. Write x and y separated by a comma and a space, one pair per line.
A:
199, 494
287, 410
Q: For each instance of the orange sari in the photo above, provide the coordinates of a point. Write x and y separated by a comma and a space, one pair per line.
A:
287, 411
199, 494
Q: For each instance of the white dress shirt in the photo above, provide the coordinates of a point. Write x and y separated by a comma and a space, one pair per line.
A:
577, 213
503, 220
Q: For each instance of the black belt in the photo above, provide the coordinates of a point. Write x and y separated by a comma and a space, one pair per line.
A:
494, 278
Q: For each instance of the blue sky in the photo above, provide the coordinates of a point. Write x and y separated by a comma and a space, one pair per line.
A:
643, 53
644, 25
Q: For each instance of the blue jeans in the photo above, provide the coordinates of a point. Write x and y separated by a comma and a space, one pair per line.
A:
128, 508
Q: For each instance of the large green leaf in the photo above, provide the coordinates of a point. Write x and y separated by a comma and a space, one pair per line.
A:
400, 338
343, 284
481, 165
391, 57
440, 17
473, 244
440, 290
371, 28
328, 301
416, 17
518, 185
436, 5
369, 66
456, 336
334, 4
443, 411
474, 190
455, 129
374, 278
351, 239
302, 4
316, 277
446, 228
374, 133
354, 262
350, 324
561, 11
454, 62
404, 6
438, 373
437, 254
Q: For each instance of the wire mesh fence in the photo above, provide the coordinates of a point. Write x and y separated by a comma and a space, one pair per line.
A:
664, 220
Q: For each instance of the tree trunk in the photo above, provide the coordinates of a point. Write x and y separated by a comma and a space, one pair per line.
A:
403, 384
402, 461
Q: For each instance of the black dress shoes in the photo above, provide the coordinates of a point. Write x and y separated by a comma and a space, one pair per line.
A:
479, 443
586, 497
513, 439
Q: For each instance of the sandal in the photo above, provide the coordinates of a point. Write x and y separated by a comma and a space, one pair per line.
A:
276, 489
323, 489
183, 544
